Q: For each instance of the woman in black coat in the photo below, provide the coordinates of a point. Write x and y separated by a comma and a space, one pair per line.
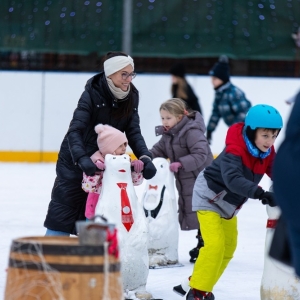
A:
109, 98
181, 89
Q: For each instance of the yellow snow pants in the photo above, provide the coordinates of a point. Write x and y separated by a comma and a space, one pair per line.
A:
220, 241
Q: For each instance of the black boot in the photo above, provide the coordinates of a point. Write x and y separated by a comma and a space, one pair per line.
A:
195, 251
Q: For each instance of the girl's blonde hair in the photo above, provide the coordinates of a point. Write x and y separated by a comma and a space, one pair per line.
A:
175, 107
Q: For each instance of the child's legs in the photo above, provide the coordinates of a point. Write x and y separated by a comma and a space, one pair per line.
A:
210, 258
90, 206
210, 263
50, 232
231, 233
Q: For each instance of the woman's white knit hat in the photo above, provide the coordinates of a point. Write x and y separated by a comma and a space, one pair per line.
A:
117, 63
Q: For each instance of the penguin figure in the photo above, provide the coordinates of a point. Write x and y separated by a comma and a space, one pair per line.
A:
160, 207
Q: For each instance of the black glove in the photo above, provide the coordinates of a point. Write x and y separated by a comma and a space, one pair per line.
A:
268, 198
149, 168
87, 166
208, 136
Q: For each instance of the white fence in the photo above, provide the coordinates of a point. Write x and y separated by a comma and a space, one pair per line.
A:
36, 107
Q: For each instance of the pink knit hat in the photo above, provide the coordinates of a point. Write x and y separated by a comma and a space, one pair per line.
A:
109, 139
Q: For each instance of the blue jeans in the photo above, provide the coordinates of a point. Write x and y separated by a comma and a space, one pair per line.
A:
50, 232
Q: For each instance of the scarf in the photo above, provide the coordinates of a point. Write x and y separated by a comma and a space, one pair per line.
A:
117, 92
253, 150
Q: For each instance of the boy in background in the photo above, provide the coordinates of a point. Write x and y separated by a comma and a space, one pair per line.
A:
230, 102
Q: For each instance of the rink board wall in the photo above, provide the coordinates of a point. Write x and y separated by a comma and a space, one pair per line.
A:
36, 107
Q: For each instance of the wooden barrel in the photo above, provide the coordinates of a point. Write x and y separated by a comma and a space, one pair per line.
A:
58, 268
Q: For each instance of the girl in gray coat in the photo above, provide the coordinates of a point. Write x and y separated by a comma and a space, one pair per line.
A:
183, 141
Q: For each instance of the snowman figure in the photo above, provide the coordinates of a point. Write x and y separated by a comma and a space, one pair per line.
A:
159, 202
119, 204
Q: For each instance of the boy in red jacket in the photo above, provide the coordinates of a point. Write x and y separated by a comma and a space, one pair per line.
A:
223, 187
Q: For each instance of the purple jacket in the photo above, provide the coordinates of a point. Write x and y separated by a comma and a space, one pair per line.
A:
187, 144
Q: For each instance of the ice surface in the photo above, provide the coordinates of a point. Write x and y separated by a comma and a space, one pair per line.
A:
25, 193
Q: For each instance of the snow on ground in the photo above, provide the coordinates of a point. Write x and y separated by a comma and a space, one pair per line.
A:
25, 191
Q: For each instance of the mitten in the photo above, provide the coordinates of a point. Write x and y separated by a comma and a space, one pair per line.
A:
268, 198
100, 165
208, 136
87, 166
149, 168
175, 166
137, 165
265, 197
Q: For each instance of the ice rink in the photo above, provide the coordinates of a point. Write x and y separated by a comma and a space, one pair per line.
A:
25, 193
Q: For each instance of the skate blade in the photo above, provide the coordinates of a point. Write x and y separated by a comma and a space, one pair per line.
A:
181, 293
166, 266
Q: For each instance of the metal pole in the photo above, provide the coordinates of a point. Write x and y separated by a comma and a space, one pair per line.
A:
127, 26
42, 133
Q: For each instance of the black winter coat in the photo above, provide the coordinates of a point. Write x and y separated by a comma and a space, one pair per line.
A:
286, 179
191, 100
95, 106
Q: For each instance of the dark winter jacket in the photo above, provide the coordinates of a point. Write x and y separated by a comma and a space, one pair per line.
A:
287, 179
191, 99
232, 178
230, 104
187, 144
95, 106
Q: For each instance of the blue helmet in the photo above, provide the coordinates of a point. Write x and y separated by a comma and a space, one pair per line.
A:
263, 116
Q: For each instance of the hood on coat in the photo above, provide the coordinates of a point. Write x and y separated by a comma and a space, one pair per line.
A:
234, 139
98, 88
194, 119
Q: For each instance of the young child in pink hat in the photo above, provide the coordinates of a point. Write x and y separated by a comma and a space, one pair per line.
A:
110, 141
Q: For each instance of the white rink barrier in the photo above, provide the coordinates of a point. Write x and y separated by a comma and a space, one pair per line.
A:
278, 281
53, 96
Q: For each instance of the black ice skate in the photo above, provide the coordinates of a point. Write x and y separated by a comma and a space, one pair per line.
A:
195, 251
182, 288
179, 290
194, 294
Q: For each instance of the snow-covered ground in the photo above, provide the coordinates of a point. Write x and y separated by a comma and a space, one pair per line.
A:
25, 193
